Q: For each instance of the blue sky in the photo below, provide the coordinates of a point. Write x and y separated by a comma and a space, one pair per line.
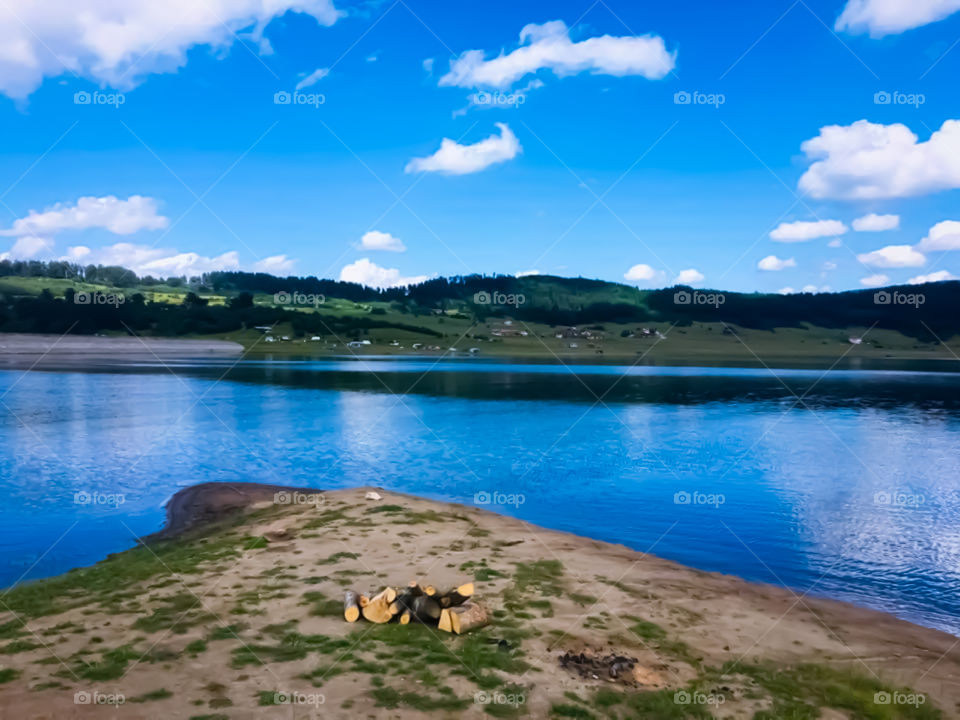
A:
591, 165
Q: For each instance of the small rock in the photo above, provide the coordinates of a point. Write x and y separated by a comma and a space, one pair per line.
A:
373, 496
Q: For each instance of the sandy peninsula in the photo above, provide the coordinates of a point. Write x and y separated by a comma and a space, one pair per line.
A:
235, 611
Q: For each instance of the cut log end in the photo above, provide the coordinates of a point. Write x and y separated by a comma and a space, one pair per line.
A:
351, 606
467, 617
445, 624
405, 618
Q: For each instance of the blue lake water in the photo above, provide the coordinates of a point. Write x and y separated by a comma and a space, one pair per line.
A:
844, 484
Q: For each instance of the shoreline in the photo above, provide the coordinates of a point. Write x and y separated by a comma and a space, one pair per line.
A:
551, 592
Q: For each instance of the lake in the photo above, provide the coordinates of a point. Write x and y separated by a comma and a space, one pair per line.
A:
843, 484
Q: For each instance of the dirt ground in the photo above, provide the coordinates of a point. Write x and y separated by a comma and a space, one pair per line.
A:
240, 616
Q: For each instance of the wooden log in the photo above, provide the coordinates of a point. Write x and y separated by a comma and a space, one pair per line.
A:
364, 601
394, 607
405, 618
425, 609
351, 606
457, 596
445, 623
430, 590
467, 617
378, 609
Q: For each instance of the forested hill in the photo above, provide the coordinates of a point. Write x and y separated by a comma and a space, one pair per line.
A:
40, 297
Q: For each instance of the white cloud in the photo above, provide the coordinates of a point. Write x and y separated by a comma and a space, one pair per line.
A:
867, 161
527, 273
828, 266
275, 265
802, 231
455, 159
815, 289
773, 263
786, 291
641, 273
428, 65
376, 240
121, 217
147, 260
118, 43
876, 223
890, 17
313, 78
549, 46
835, 243
938, 276
28, 246
875, 280
368, 273
893, 256
942, 236
689, 277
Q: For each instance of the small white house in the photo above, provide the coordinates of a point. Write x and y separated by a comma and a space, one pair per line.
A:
856, 341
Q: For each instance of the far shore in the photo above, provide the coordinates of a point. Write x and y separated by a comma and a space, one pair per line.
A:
239, 602
28, 349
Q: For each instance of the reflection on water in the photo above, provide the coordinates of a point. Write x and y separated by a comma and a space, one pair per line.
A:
851, 492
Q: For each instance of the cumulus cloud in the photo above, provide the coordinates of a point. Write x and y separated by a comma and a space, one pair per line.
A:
773, 263
119, 43
548, 46
689, 277
455, 159
121, 217
376, 240
876, 223
893, 256
867, 161
313, 78
527, 273
275, 265
890, 17
875, 280
942, 236
146, 260
365, 272
938, 276
27, 247
641, 273
802, 231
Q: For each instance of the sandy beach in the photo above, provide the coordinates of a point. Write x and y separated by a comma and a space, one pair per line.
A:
237, 607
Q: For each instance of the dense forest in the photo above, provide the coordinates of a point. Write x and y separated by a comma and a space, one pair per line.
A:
921, 311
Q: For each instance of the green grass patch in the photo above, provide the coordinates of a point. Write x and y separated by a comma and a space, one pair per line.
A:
161, 694
177, 613
337, 557
8, 674
390, 698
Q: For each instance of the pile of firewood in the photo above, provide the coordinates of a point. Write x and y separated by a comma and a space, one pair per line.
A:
452, 611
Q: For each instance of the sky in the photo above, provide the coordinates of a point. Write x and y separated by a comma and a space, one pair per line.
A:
763, 145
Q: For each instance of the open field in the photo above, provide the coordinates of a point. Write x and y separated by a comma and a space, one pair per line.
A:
244, 610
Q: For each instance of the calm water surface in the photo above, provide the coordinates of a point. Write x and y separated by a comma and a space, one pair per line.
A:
845, 485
